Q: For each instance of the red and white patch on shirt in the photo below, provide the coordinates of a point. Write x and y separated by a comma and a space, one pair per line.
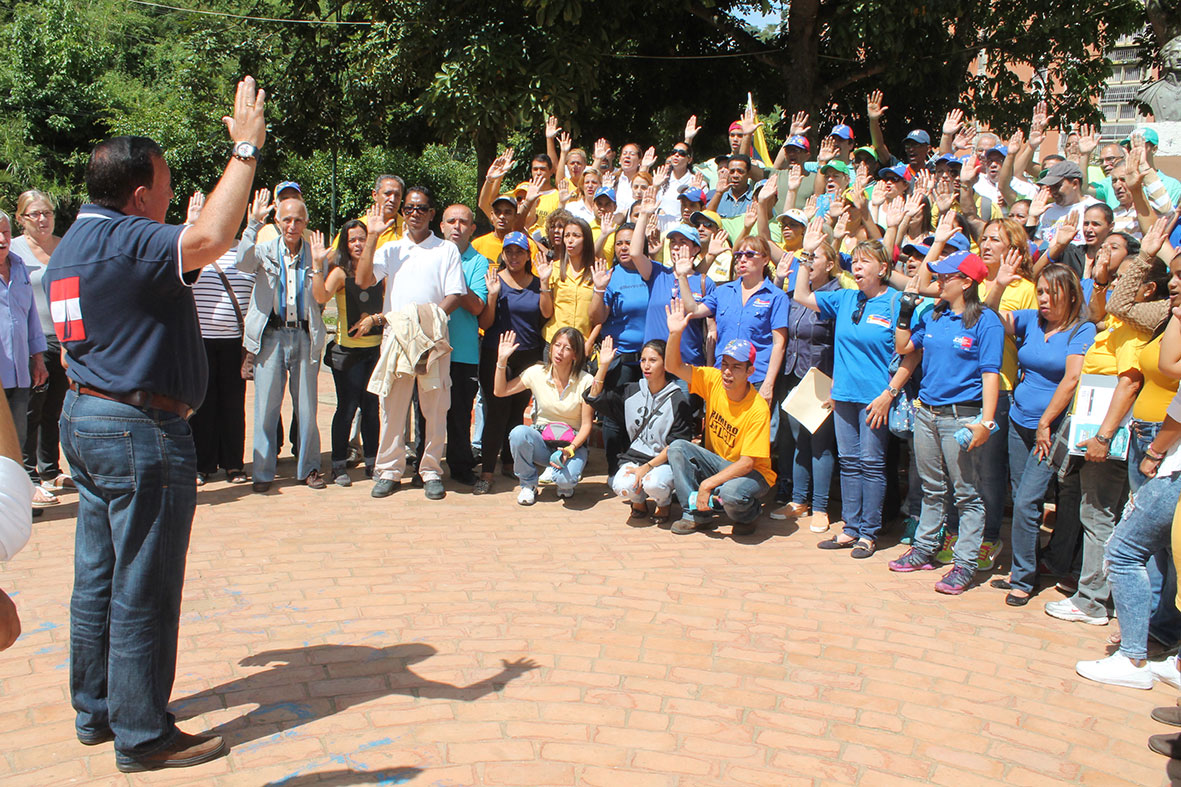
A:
66, 308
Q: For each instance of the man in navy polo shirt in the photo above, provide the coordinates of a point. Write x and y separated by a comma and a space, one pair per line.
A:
118, 287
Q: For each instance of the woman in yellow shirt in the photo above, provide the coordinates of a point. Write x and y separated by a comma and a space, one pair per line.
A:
567, 287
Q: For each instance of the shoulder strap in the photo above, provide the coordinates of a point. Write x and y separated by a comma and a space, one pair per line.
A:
233, 298
657, 403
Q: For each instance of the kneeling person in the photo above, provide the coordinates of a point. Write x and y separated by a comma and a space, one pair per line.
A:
733, 471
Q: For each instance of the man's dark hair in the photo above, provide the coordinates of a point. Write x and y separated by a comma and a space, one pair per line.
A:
426, 195
1052, 159
1105, 209
118, 167
545, 159
740, 157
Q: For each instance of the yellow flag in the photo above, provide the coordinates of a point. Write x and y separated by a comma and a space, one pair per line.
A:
759, 140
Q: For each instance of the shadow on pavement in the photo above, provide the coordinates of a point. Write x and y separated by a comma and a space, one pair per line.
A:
348, 776
311, 683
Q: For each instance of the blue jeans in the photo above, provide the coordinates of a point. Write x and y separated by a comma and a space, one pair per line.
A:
283, 352
862, 452
692, 464
945, 467
1141, 534
136, 472
994, 467
530, 452
812, 462
1166, 621
1142, 435
1030, 478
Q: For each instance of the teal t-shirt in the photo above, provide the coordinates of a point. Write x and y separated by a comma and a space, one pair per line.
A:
463, 327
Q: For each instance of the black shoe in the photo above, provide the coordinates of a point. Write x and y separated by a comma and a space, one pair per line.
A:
746, 529
97, 737
260, 486
434, 489
383, 487
465, 477
417, 481
185, 750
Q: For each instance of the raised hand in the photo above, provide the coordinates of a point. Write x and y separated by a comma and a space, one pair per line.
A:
606, 351
501, 166
1009, 269
602, 149
196, 203
895, 212
564, 194
810, 207
682, 260
914, 206
1100, 271
783, 267
795, 178
698, 180
492, 280
675, 316
565, 142
873, 105
248, 123
551, 127
1154, 239
814, 235
799, 124
828, 151
750, 218
608, 223
770, 190
719, 243
320, 252
1040, 202
1038, 124
601, 274
508, 345
970, 171
261, 207
840, 229
544, 267
533, 191
649, 159
946, 227
661, 177
953, 122
608, 179
1016, 141
1067, 229
965, 139
749, 122
648, 204
924, 183
1089, 138
691, 129
1133, 176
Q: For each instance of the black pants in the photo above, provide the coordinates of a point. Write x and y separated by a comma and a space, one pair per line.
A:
45, 407
501, 414
465, 381
351, 380
219, 425
624, 369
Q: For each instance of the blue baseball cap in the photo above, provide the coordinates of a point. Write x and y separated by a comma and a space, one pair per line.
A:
897, 172
740, 350
685, 231
999, 149
518, 239
964, 262
604, 191
797, 141
959, 242
693, 194
842, 131
950, 160
287, 184
919, 136
915, 249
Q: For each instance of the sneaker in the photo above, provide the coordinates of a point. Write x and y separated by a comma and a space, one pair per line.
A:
185, 750
547, 477
527, 496
315, 480
946, 553
434, 489
819, 522
1116, 670
342, 479
383, 487
912, 560
1166, 671
989, 551
909, 525
955, 581
789, 511
483, 486
565, 493
1064, 609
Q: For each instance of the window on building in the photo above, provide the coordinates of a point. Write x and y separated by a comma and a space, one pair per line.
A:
1127, 112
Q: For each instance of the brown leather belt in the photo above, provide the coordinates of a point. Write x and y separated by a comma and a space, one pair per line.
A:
138, 399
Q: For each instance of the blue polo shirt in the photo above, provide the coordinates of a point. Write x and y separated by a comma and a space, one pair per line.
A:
730, 206
764, 311
122, 308
1041, 361
863, 348
463, 327
20, 326
954, 356
627, 308
663, 288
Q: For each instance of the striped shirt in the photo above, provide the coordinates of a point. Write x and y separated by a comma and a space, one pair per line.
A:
215, 310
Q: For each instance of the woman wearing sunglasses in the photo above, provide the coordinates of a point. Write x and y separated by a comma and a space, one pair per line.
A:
863, 388
961, 343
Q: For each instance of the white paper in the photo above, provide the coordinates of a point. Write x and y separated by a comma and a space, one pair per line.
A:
1092, 400
806, 401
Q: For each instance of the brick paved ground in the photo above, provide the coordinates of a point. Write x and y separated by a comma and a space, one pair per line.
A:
337, 639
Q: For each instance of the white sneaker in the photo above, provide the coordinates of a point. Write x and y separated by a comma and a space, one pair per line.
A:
1064, 609
564, 494
527, 496
1116, 670
547, 476
1166, 671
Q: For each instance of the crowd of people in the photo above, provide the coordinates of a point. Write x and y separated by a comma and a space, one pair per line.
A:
951, 303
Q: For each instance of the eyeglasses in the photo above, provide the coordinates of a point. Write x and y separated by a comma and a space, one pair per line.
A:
39, 214
680, 152
943, 278
416, 209
749, 254
860, 311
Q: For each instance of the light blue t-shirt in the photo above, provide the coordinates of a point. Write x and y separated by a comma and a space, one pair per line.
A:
1041, 363
463, 326
627, 309
864, 343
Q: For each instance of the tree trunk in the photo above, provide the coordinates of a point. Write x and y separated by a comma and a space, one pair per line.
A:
801, 75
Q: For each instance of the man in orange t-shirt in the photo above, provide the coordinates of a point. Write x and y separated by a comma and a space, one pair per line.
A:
731, 474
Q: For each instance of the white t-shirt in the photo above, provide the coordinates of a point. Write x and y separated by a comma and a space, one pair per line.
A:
424, 272
670, 197
16, 507
1172, 462
1056, 213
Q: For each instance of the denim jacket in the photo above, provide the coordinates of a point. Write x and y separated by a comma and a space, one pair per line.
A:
263, 261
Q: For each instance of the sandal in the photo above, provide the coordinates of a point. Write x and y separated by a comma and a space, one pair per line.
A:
833, 543
43, 498
659, 518
237, 477
865, 548
1000, 584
